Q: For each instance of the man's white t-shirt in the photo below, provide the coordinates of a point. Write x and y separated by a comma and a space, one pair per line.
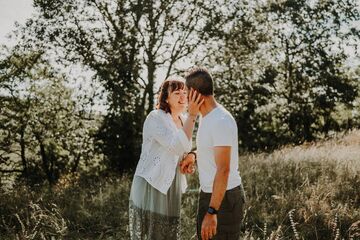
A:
217, 128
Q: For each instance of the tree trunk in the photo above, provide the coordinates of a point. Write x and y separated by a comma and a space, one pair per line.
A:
76, 163
23, 150
150, 86
45, 161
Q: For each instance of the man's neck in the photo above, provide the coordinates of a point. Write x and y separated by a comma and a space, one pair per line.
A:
208, 105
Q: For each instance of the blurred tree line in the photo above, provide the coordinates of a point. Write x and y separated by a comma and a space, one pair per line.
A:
279, 67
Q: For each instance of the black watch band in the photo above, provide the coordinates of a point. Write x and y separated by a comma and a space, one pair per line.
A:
212, 211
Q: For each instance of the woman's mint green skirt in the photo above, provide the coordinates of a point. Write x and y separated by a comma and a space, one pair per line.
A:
152, 214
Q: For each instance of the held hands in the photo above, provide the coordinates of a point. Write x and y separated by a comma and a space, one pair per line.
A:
195, 102
187, 165
208, 227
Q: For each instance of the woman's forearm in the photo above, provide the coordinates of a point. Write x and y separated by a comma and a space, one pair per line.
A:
189, 125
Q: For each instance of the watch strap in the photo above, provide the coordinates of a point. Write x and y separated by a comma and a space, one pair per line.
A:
212, 211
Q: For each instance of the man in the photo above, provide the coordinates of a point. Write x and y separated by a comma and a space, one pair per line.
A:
221, 200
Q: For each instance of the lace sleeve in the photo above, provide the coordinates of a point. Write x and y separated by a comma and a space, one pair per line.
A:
175, 140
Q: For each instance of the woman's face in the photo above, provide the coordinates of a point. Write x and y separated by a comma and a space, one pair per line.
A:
177, 100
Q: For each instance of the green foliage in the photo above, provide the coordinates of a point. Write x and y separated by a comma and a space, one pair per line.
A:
283, 74
42, 132
279, 68
102, 37
124, 43
124, 142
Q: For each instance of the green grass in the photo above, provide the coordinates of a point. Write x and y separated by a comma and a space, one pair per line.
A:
304, 192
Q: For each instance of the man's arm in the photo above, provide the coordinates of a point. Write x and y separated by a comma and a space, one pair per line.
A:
222, 159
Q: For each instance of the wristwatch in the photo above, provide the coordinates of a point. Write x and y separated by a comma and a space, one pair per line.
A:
212, 211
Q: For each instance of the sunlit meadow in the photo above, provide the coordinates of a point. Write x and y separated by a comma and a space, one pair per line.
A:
310, 191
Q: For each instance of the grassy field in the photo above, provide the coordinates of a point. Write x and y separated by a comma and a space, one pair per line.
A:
310, 192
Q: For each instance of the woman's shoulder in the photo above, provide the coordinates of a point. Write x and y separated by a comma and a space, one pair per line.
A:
157, 114
157, 117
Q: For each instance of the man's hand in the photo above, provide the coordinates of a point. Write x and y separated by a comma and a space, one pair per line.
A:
208, 227
195, 101
187, 165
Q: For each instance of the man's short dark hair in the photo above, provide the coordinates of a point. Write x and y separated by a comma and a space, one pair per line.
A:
200, 80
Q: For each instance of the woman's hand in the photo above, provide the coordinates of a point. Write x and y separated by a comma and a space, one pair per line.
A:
187, 165
195, 102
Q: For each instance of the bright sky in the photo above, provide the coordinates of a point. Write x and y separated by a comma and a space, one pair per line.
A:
11, 11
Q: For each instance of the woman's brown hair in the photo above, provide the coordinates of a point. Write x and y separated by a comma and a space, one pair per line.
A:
170, 85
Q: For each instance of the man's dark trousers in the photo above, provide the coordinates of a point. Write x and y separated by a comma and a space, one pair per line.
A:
230, 214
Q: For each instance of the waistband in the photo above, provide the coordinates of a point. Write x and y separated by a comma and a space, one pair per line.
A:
230, 190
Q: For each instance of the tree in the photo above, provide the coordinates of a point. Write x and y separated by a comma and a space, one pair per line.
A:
125, 43
298, 78
311, 69
42, 131
14, 119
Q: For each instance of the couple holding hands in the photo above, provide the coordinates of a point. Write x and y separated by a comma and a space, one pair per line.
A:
166, 156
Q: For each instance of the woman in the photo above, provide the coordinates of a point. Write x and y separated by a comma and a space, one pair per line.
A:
155, 196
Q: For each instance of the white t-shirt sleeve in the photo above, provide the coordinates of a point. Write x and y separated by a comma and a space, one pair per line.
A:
222, 133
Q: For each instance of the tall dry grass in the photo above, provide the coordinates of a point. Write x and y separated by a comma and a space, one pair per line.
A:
303, 192
310, 191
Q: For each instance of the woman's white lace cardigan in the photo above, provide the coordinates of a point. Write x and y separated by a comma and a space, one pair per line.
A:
163, 144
